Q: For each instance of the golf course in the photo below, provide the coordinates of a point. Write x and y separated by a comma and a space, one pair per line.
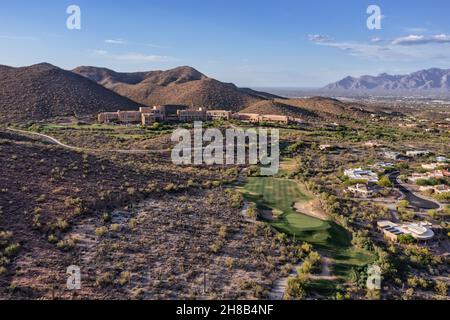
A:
272, 194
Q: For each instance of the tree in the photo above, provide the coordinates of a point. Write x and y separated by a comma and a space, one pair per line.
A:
403, 204
406, 239
385, 182
433, 214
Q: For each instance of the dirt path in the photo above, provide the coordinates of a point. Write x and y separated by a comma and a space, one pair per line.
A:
280, 286
59, 143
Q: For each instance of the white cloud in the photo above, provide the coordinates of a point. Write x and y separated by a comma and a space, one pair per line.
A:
412, 40
115, 41
100, 52
19, 38
139, 57
133, 57
318, 38
415, 29
401, 49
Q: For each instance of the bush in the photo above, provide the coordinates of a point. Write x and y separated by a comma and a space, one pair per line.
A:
104, 279
385, 182
441, 288
296, 288
66, 245
100, 232
125, 278
406, 239
11, 250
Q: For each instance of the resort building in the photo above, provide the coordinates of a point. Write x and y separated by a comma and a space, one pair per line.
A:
170, 111
219, 114
190, 115
149, 115
360, 174
129, 116
420, 231
274, 119
107, 117
247, 117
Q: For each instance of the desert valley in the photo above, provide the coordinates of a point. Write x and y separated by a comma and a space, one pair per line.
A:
363, 182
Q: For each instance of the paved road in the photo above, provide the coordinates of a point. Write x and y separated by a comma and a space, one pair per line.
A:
413, 199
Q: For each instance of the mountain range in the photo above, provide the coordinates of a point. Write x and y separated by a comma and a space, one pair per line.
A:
182, 85
425, 80
44, 91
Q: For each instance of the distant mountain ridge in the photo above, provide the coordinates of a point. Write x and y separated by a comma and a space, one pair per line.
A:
425, 80
182, 85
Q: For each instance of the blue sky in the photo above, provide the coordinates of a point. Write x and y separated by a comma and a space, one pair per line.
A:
251, 43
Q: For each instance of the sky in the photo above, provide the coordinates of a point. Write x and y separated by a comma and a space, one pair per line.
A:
265, 43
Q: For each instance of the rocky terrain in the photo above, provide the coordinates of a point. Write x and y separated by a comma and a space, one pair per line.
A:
44, 91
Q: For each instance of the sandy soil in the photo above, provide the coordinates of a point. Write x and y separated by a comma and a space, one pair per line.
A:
311, 208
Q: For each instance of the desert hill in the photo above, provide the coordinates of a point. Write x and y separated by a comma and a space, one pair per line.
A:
182, 85
44, 91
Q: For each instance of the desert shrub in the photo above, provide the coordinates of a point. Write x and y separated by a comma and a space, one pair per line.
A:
5, 237
11, 250
124, 278
60, 224
105, 217
115, 227
441, 288
235, 197
66, 244
296, 288
100, 232
104, 279
132, 223
52, 238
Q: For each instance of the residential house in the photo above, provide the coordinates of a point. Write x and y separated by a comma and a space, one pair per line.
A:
417, 153
365, 190
360, 174
392, 155
420, 231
